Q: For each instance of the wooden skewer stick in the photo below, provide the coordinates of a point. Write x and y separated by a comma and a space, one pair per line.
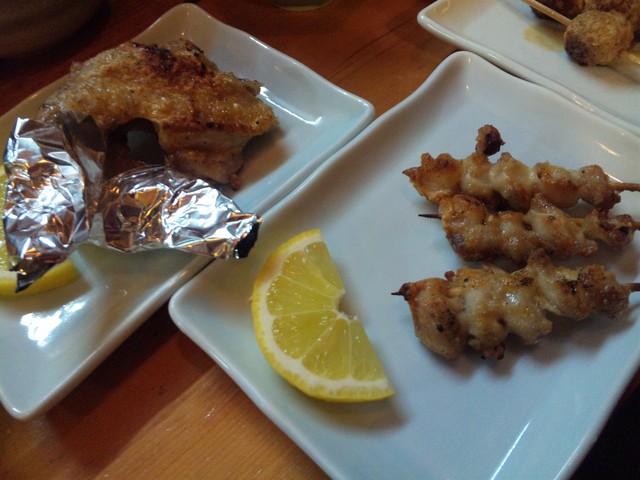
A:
558, 17
549, 12
578, 221
629, 187
634, 287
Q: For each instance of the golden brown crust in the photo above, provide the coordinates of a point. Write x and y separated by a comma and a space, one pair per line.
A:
597, 37
509, 183
629, 8
480, 307
198, 111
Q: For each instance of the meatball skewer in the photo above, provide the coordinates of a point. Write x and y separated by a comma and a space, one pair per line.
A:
594, 37
629, 8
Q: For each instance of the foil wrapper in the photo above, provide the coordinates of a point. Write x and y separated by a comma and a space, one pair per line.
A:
57, 199
157, 207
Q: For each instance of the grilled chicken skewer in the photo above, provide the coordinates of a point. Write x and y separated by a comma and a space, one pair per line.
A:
480, 307
509, 183
475, 233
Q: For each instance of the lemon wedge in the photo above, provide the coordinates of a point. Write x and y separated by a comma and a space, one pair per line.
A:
303, 334
58, 276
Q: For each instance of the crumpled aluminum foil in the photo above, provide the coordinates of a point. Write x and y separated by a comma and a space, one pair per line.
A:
157, 207
57, 199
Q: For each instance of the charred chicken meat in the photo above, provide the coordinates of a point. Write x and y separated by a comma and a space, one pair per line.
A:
203, 117
477, 233
509, 183
480, 307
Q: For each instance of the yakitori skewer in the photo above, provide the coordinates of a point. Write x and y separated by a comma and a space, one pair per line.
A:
480, 307
477, 233
594, 37
509, 183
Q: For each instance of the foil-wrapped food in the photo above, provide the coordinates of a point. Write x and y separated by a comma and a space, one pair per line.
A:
58, 198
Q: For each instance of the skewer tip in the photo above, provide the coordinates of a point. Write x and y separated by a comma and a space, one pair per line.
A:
623, 186
634, 287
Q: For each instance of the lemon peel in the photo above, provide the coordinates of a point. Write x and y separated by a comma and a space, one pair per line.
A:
302, 332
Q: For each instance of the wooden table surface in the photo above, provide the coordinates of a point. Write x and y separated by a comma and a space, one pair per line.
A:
159, 407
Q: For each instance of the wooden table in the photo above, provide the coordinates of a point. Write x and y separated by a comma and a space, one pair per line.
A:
159, 407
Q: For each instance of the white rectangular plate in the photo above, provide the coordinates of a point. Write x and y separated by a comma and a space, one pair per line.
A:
50, 342
534, 413
499, 30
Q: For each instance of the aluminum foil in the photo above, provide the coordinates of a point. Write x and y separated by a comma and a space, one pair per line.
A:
57, 199
157, 207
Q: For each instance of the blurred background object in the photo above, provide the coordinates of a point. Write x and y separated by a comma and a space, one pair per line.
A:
30, 26
300, 4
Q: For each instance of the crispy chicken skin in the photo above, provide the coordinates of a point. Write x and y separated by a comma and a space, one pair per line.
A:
203, 117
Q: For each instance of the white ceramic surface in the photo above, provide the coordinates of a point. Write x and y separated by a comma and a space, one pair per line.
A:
533, 414
50, 342
507, 33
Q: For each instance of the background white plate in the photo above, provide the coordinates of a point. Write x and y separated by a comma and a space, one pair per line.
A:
496, 29
50, 342
533, 414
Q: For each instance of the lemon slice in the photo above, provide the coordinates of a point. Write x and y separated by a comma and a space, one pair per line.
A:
303, 334
58, 276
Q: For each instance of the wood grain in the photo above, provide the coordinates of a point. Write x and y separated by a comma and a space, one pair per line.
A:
159, 407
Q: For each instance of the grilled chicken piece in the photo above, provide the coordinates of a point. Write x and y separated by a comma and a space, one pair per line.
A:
508, 182
480, 307
477, 233
203, 117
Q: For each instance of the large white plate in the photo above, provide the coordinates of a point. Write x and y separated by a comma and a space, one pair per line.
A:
533, 414
498, 30
49, 342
